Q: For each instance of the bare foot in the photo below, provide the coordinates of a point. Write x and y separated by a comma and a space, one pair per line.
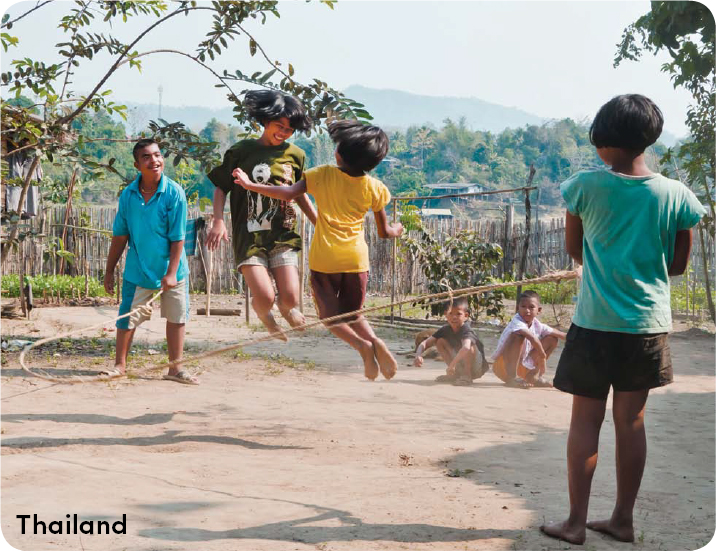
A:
295, 318
270, 323
562, 531
388, 365
370, 368
620, 532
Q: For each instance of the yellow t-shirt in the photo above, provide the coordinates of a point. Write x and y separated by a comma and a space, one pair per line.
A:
342, 202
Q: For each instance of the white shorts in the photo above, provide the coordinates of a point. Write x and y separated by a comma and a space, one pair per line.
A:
280, 256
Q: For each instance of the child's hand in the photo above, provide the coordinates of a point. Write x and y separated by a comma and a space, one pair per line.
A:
241, 178
450, 371
169, 281
109, 283
216, 234
396, 230
418, 361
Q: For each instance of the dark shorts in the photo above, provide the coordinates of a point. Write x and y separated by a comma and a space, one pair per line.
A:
338, 293
593, 361
479, 365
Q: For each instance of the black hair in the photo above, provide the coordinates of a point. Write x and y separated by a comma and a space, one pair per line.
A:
528, 294
269, 105
459, 302
631, 122
141, 144
360, 146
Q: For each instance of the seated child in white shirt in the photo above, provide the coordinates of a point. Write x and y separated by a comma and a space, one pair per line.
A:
524, 346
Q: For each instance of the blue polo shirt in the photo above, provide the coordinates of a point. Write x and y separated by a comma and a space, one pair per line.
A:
151, 228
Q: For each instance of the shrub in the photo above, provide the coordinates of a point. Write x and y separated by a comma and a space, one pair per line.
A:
67, 286
460, 261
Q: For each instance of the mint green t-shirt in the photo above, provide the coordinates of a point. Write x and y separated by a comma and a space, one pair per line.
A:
630, 225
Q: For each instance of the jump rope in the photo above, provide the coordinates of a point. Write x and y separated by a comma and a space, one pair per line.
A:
424, 300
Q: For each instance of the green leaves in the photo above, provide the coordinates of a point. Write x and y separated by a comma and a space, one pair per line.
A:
460, 261
8, 41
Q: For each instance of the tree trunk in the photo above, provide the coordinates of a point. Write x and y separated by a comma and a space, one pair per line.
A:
23, 195
68, 211
707, 282
526, 244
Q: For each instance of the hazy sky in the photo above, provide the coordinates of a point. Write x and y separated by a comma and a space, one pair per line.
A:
553, 59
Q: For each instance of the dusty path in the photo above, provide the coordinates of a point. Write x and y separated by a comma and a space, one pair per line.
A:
282, 455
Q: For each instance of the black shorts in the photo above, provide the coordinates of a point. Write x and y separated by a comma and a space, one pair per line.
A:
592, 361
338, 293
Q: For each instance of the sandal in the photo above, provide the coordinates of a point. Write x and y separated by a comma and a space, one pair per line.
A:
462, 381
444, 379
541, 383
183, 377
114, 372
517, 382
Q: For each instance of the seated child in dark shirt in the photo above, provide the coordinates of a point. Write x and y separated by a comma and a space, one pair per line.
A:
458, 345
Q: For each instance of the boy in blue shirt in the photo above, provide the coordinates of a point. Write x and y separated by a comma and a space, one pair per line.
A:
151, 218
631, 230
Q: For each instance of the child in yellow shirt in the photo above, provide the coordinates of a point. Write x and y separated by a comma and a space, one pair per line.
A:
338, 257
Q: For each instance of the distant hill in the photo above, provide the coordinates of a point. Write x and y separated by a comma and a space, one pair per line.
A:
393, 108
390, 108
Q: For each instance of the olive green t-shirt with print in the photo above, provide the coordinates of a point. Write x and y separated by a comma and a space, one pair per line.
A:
260, 223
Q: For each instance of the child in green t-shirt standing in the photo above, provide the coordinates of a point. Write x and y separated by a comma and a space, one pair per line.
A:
631, 229
339, 254
264, 229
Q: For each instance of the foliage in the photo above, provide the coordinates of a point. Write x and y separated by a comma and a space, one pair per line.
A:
687, 296
410, 218
553, 292
460, 261
56, 249
54, 136
686, 31
66, 286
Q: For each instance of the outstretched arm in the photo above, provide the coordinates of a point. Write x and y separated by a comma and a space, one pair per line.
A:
422, 347
284, 193
682, 250
307, 207
385, 229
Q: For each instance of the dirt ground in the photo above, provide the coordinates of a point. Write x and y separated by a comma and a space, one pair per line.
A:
288, 447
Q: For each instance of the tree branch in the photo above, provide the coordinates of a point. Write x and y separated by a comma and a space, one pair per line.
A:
69, 60
39, 5
119, 60
168, 51
266, 57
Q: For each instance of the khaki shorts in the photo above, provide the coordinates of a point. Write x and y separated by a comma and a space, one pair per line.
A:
280, 256
175, 304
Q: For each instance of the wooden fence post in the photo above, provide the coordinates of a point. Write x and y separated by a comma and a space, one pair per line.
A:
507, 242
393, 265
301, 266
526, 244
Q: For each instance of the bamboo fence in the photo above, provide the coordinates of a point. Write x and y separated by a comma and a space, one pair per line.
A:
87, 237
